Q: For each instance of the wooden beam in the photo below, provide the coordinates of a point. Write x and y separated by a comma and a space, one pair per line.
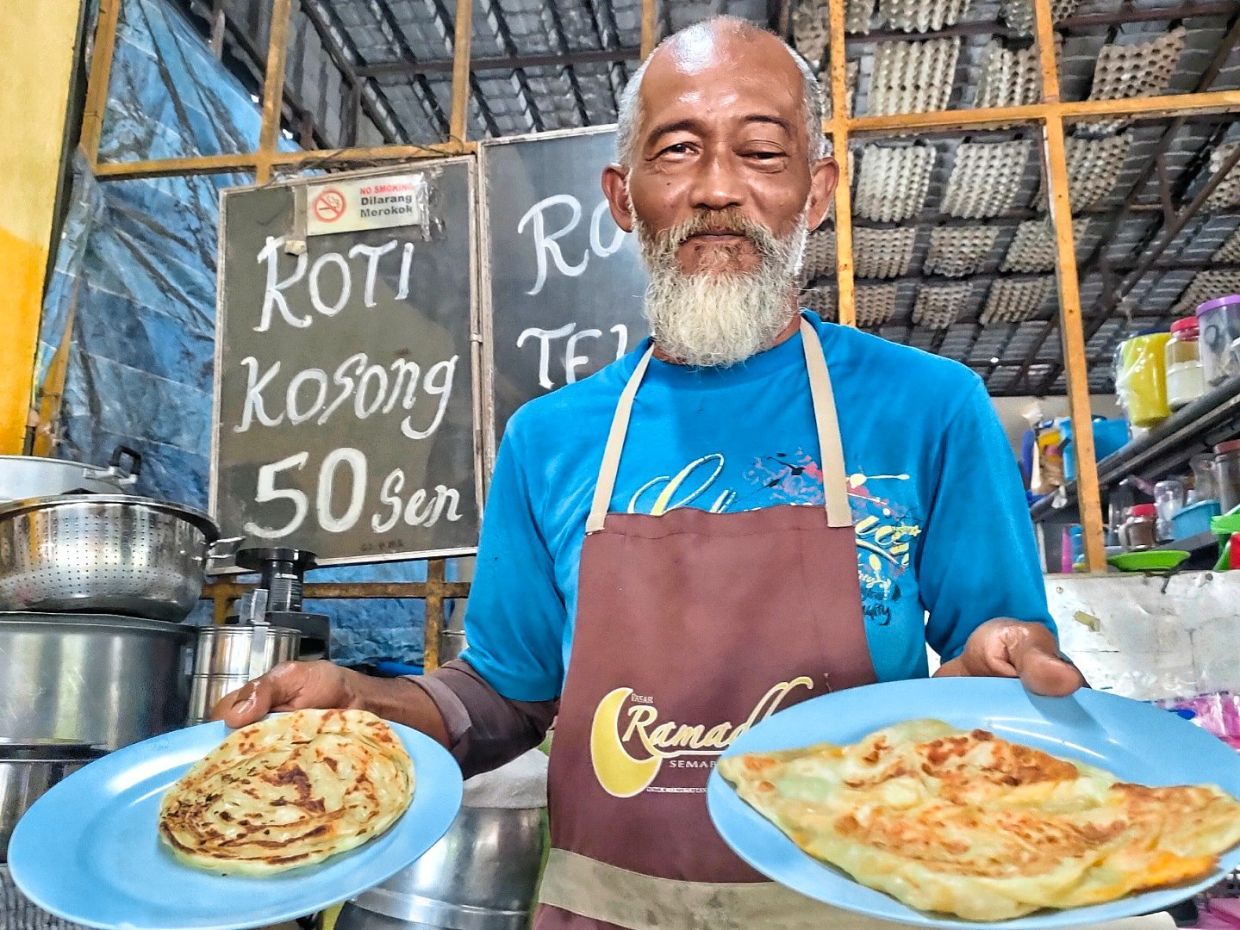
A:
458, 125
407, 67
650, 27
1071, 328
273, 86
845, 302
100, 74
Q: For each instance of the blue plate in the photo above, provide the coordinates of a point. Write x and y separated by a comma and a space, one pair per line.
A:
1135, 741
88, 850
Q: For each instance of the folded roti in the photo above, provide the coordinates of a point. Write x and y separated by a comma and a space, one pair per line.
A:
288, 791
967, 824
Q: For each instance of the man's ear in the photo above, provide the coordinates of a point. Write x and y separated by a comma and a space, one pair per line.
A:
823, 177
616, 191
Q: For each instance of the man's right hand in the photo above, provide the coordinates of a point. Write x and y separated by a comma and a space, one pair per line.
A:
292, 686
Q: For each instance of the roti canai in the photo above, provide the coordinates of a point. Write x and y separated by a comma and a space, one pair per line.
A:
968, 824
288, 791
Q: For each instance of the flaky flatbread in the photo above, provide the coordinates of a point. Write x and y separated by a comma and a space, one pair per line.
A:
288, 791
967, 824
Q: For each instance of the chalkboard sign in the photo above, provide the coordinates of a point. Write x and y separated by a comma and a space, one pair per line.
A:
345, 365
563, 285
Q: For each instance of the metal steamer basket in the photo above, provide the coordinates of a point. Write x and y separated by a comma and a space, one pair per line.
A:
106, 554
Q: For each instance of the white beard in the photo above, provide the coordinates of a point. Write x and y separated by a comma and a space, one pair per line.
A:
720, 318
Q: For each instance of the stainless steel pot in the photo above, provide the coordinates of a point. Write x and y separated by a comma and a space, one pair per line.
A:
28, 768
107, 681
23, 476
106, 554
229, 656
480, 876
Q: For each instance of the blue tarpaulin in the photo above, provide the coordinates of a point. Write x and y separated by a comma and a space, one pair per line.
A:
137, 260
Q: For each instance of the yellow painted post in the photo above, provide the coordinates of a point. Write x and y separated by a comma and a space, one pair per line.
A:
36, 64
458, 124
1071, 328
273, 86
845, 294
649, 26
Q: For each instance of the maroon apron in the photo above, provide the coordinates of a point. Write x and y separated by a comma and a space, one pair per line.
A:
691, 627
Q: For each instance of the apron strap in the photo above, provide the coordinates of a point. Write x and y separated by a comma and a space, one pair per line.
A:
831, 450
607, 472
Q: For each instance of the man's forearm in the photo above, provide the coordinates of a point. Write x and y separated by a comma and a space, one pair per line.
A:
401, 700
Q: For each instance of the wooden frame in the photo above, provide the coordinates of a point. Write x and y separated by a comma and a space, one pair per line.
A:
1050, 114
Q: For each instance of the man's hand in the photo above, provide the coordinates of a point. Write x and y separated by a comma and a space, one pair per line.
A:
300, 685
1014, 649
290, 686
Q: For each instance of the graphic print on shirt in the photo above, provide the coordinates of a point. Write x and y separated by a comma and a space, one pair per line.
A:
885, 526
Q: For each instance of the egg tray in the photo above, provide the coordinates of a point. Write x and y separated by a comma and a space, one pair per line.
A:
1227, 194
1094, 166
914, 76
822, 301
1008, 77
876, 304
819, 257
811, 26
883, 253
1207, 286
1140, 69
1019, 13
938, 306
986, 178
1033, 248
1014, 300
922, 15
956, 251
892, 182
1229, 251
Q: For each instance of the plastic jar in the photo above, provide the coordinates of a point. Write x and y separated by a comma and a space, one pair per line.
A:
1138, 530
1227, 473
1186, 379
1141, 378
1219, 322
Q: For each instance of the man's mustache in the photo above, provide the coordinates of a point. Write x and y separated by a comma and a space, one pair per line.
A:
717, 222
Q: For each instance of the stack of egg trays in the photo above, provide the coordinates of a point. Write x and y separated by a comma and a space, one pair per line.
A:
922, 15
892, 182
811, 26
986, 178
1138, 70
883, 253
1008, 78
1208, 285
876, 304
1229, 251
1227, 194
913, 77
938, 305
1094, 166
1014, 300
1019, 13
821, 300
956, 251
1033, 247
819, 258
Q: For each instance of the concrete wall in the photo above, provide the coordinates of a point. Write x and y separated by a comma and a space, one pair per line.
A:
36, 60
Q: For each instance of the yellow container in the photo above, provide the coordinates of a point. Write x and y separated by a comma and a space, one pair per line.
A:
1141, 378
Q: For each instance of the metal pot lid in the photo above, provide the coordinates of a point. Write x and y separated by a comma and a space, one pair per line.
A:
198, 518
50, 621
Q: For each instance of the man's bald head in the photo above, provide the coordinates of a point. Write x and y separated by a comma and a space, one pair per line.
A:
699, 42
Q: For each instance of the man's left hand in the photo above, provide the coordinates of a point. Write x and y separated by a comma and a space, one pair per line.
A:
1015, 649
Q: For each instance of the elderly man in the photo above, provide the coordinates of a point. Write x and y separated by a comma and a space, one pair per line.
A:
752, 509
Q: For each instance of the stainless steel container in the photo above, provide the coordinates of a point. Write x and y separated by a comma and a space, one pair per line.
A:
104, 553
103, 680
23, 476
28, 768
480, 876
229, 656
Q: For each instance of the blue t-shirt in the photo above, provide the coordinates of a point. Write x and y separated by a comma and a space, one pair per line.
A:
944, 539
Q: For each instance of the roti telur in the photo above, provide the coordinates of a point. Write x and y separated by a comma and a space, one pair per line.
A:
968, 824
288, 791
